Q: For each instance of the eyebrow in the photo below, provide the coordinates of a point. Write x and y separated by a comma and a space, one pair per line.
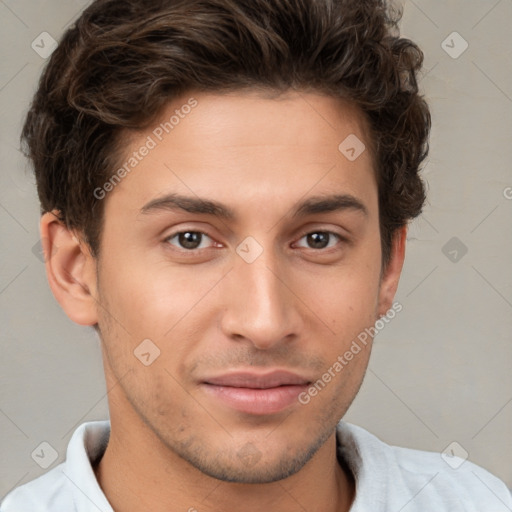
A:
310, 206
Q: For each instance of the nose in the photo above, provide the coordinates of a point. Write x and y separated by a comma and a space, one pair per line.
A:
260, 305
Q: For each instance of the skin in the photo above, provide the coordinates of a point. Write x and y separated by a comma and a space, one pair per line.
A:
298, 306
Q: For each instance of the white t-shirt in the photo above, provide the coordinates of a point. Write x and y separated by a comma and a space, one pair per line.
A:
388, 478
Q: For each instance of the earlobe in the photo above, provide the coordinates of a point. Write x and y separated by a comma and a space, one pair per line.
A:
70, 269
392, 272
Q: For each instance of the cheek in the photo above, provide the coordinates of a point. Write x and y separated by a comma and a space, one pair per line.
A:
344, 300
153, 297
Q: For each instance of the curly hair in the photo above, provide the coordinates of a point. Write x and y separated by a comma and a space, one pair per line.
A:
122, 61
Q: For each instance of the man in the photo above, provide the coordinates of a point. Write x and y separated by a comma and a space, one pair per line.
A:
225, 188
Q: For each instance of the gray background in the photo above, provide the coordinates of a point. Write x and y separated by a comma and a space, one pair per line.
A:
441, 370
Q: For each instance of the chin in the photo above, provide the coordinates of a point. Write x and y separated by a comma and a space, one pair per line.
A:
241, 472
249, 465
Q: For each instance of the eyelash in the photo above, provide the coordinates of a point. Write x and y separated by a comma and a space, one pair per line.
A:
324, 249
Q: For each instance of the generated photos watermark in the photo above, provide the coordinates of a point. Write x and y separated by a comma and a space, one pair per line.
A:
152, 141
342, 360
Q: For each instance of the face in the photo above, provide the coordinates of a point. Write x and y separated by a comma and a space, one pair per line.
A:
244, 248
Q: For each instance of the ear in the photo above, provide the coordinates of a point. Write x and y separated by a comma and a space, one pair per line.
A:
391, 273
70, 269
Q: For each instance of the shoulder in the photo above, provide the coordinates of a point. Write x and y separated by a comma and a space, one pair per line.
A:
466, 484
49, 492
422, 480
72, 484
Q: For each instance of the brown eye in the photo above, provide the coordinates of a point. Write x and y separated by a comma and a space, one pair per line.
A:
188, 240
320, 239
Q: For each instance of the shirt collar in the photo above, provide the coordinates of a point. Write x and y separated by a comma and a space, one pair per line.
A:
86, 446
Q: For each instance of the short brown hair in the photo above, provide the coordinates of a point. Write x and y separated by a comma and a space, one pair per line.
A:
123, 60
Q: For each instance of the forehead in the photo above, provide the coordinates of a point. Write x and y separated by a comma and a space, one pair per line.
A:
244, 146
259, 118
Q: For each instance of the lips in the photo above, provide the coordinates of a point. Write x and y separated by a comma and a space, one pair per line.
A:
256, 394
255, 381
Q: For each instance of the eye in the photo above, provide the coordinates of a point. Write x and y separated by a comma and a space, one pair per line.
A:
321, 239
188, 240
